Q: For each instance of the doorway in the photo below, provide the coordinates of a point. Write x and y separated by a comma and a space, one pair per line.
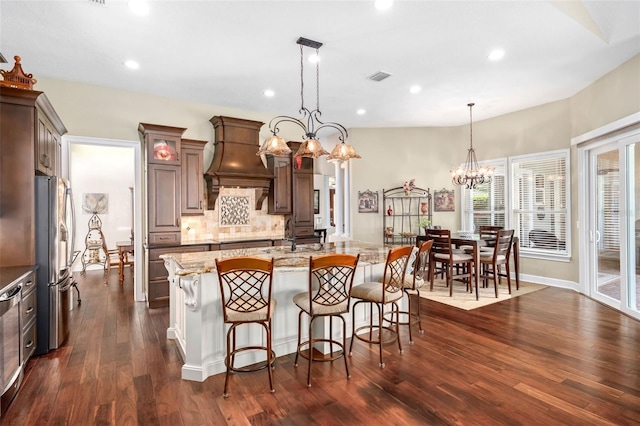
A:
610, 207
112, 168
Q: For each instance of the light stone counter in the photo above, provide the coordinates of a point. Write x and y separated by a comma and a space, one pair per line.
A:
196, 321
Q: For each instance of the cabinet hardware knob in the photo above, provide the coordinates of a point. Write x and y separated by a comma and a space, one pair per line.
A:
28, 283
28, 345
29, 310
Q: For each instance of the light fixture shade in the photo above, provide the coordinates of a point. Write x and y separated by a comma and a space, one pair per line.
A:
274, 145
343, 152
311, 148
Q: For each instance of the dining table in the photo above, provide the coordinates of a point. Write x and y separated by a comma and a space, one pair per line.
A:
473, 243
125, 248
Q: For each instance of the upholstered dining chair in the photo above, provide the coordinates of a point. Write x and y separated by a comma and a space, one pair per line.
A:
245, 290
491, 262
329, 295
381, 294
442, 251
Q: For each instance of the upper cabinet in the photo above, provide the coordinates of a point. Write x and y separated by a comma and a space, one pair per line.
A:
162, 143
280, 200
192, 177
47, 146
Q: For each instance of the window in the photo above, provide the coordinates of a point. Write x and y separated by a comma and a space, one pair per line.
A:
540, 203
485, 204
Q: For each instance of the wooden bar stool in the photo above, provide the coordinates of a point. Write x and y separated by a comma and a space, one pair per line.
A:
329, 295
380, 294
245, 289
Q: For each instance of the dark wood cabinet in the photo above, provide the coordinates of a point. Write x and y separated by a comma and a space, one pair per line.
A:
280, 200
302, 195
162, 158
164, 198
163, 188
192, 179
21, 114
28, 311
47, 146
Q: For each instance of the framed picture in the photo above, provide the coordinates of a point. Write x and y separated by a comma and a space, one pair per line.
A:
316, 201
368, 202
444, 200
94, 202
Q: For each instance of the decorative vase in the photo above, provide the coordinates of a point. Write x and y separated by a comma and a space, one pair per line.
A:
389, 211
424, 207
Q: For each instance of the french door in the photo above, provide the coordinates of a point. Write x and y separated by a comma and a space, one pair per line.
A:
612, 175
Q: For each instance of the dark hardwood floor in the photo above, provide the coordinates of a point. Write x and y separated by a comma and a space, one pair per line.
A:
549, 357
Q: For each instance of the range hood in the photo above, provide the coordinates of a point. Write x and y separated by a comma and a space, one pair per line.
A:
235, 163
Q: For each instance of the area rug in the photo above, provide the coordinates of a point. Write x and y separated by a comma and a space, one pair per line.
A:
467, 301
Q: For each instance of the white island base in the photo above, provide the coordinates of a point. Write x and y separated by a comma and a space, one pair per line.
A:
196, 321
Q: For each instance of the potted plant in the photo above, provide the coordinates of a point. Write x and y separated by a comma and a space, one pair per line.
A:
424, 223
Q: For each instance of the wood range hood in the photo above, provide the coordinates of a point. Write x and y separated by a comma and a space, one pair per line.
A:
235, 163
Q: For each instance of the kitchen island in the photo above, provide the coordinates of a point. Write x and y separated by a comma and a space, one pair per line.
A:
196, 322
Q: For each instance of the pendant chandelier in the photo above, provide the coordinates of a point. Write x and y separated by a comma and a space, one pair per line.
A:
470, 174
309, 122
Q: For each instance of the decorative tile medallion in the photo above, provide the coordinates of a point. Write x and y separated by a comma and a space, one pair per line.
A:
235, 210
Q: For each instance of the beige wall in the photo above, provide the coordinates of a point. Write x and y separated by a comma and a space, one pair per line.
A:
390, 155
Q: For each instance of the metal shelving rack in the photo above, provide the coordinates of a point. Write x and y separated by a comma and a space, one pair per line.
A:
402, 213
95, 251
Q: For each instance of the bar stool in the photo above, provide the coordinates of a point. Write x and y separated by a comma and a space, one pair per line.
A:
412, 285
245, 289
329, 295
380, 294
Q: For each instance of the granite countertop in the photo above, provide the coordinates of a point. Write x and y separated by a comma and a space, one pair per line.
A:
203, 262
9, 275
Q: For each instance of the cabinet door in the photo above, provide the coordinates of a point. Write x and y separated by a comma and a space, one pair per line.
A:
280, 190
192, 182
44, 161
163, 149
164, 198
303, 199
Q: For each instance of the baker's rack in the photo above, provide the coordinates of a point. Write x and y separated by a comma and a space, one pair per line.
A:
95, 251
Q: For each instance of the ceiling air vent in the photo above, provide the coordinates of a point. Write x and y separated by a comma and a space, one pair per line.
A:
379, 76
100, 2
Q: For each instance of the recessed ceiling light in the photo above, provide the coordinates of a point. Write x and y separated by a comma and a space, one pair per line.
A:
314, 58
383, 4
415, 89
496, 55
139, 7
131, 64
361, 111
269, 93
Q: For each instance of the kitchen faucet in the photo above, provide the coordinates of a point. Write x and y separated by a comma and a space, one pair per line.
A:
292, 238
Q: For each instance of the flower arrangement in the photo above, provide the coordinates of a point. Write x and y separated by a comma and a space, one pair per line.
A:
408, 186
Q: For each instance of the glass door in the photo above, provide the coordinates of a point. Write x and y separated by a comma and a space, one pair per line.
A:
605, 224
614, 224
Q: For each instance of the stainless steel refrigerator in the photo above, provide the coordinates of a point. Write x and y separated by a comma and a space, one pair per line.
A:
55, 228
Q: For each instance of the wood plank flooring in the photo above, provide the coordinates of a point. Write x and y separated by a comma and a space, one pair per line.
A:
549, 357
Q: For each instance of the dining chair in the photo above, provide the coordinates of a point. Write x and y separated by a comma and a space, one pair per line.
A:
245, 289
328, 296
381, 294
443, 252
488, 234
491, 262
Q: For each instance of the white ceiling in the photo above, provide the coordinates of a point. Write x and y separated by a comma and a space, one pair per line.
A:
228, 52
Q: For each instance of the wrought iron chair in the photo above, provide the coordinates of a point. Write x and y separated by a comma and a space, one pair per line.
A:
380, 294
329, 295
245, 289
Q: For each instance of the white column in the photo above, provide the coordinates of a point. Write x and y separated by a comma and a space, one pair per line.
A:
338, 213
347, 197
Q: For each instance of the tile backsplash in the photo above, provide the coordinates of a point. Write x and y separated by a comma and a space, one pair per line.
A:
207, 227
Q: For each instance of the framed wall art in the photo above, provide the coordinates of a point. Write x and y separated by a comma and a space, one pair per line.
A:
444, 200
368, 201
